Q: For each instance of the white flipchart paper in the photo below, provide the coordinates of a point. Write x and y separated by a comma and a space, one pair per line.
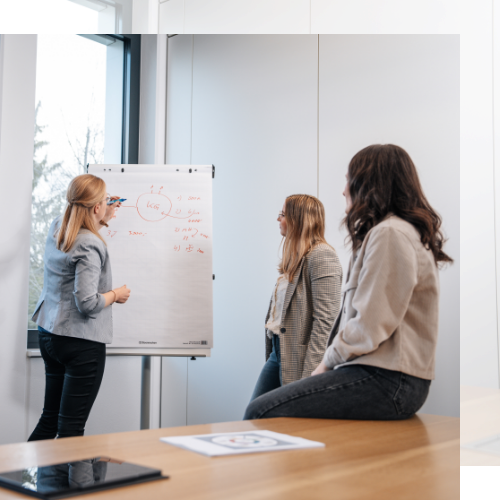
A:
160, 246
237, 443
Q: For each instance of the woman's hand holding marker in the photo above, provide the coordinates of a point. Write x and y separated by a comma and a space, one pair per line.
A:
114, 199
112, 204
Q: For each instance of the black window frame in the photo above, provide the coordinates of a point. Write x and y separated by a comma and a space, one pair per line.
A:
130, 120
131, 97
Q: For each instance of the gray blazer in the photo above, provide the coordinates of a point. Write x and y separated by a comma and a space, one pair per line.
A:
71, 303
312, 303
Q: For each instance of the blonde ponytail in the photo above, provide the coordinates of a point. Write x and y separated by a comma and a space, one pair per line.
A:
84, 193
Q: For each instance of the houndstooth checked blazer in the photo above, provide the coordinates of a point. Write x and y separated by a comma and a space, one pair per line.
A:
312, 303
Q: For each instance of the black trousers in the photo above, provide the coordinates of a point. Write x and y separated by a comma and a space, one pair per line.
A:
73, 374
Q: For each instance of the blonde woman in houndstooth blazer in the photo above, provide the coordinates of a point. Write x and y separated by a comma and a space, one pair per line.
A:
306, 299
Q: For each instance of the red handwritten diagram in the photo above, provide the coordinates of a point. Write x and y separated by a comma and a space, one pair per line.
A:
155, 206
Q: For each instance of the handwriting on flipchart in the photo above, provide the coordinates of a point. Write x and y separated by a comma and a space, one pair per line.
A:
156, 206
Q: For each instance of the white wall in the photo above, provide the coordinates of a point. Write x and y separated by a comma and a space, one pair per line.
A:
385, 16
147, 99
235, 16
145, 16
153, 94
107, 20
249, 105
309, 16
17, 118
140, 14
179, 99
171, 16
478, 287
496, 159
405, 90
242, 16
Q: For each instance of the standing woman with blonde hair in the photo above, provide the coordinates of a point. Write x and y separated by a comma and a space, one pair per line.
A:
306, 298
381, 351
73, 314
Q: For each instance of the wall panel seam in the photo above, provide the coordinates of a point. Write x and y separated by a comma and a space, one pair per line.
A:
317, 123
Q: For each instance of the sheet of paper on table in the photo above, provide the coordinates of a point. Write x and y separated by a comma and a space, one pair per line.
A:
236, 443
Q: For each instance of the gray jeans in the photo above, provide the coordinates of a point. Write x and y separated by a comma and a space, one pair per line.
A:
351, 392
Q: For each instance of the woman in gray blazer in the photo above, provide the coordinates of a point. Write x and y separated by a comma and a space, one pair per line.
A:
381, 350
73, 314
306, 297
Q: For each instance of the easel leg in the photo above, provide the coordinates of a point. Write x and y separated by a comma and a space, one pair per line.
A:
151, 392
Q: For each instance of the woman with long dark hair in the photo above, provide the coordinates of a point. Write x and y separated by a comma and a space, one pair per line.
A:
380, 358
305, 299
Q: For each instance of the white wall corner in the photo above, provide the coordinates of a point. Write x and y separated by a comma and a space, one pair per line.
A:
145, 16
153, 11
152, 128
161, 99
172, 17
17, 118
139, 20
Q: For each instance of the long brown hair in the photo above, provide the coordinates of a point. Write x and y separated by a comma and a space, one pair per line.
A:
305, 222
84, 193
382, 179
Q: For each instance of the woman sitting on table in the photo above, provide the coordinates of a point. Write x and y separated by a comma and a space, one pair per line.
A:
380, 357
73, 314
306, 297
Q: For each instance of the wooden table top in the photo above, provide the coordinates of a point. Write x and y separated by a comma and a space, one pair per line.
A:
479, 418
410, 459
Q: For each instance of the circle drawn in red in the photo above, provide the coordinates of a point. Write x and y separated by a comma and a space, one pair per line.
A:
153, 207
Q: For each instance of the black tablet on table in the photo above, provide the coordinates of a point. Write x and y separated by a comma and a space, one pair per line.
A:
76, 478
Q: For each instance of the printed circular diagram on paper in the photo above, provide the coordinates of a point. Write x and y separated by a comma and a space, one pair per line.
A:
244, 441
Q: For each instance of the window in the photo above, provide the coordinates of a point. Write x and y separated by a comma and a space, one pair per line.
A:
87, 109
85, 16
